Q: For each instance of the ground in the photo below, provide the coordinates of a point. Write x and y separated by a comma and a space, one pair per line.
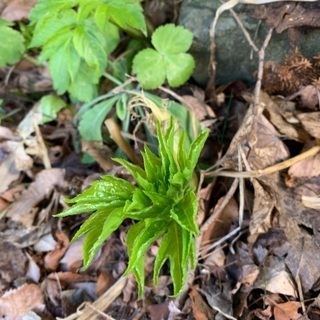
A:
258, 201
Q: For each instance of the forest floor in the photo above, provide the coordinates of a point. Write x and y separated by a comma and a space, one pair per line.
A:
259, 202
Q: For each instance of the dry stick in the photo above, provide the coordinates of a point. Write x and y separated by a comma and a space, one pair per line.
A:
244, 30
262, 172
257, 88
115, 134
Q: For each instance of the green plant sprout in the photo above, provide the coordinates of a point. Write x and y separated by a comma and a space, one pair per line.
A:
163, 205
11, 44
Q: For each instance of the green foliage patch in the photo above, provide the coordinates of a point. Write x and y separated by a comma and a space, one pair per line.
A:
76, 37
163, 204
11, 44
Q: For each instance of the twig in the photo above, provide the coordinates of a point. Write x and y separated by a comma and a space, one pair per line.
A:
262, 172
244, 30
223, 204
257, 88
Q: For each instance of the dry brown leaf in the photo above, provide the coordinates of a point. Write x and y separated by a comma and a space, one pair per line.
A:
14, 304
13, 194
8, 172
198, 107
287, 311
13, 263
274, 110
101, 153
310, 122
52, 259
158, 311
221, 225
70, 277
23, 209
309, 96
104, 282
7, 134
201, 311
73, 258
275, 278
306, 168
18, 10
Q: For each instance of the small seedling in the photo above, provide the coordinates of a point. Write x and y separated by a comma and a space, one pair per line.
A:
163, 205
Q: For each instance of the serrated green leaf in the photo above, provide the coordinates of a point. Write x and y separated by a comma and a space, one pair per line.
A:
154, 229
164, 205
152, 165
49, 7
172, 39
174, 247
111, 223
11, 44
50, 105
84, 87
58, 66
185, 211
138, 174
196, 148
126, 13
53, 26
149, 67
138, 269
96, 116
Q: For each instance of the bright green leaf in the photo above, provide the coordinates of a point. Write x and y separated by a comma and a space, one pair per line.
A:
11, 44
163, 204
169, 60
172, 39
149, 67
179, 68
91, 121
50, 105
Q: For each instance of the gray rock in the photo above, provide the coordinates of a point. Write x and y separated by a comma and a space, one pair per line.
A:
234, 56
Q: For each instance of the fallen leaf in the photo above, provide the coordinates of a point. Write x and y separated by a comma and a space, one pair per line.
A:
23, 209
52, 259
200, 309
220, 226
18, 10
287, 311
14, 304
274, 277
310, 122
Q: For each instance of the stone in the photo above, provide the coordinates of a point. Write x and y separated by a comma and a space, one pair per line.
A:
235, 59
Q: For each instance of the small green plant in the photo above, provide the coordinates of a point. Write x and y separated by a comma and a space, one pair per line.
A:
11, 44
168, 60
76, 37
163, 204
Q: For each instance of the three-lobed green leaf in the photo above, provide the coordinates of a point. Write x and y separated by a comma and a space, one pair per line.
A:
163, 204
168, 60
11, 44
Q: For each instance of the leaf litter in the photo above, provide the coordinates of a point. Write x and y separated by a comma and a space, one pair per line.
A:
262, 266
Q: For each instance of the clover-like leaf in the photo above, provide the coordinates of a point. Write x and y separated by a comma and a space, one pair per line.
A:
163, 204
11, 44
168, 60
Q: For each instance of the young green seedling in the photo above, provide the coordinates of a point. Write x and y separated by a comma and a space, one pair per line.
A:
163, 205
